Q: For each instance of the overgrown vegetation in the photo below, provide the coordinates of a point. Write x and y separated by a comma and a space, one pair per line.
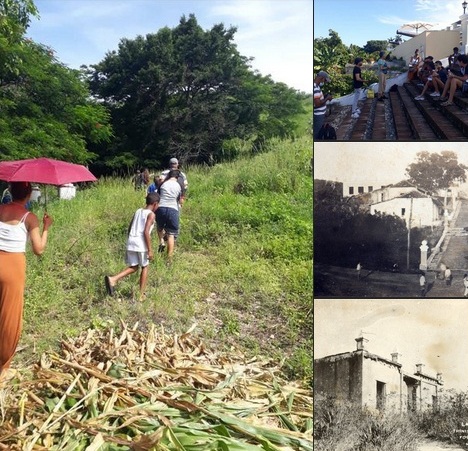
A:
242, 269
450, 417
343, 426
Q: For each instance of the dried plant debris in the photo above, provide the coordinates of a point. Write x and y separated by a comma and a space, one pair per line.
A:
135, 391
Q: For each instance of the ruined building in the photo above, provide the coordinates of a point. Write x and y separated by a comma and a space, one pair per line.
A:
370, 380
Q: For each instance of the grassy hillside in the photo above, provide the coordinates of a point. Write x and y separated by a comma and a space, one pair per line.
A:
242, 269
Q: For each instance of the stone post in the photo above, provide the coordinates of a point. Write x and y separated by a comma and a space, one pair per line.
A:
423, 248
464, 33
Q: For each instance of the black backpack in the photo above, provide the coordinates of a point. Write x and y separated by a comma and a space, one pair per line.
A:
327, 132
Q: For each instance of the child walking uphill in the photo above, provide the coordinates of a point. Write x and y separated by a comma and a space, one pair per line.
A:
139, 250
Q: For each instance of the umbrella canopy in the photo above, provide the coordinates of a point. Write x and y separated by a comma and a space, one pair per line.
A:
44, 170
412, 29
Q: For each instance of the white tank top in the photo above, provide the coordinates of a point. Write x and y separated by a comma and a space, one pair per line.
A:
13, 237
136, 238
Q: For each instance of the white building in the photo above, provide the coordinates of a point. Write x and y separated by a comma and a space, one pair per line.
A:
353, 188
391, 191
416, 208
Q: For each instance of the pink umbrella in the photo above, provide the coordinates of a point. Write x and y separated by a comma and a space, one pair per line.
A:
44, 170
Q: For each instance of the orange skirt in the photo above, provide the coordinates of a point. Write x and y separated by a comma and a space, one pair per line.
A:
12, 282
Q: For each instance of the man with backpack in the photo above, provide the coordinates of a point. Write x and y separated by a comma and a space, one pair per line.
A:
182, 179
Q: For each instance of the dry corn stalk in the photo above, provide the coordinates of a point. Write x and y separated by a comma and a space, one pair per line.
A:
138, 391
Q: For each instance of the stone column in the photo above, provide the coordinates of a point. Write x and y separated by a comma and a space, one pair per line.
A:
464, 33
423, 248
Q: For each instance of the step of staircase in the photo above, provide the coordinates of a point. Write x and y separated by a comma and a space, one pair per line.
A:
403, 129
403, 118
447, 122
417, 120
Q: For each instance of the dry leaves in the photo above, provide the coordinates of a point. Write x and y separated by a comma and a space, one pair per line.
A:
138, 391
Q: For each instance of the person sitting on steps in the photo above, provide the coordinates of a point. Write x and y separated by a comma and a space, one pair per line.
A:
454, 82
414, 65
453, 57
426, 70
436, 80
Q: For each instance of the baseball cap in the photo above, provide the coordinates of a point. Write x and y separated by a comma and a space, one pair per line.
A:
173, 161
323, 74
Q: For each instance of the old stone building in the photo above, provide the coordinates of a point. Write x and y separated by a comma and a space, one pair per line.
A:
377, 382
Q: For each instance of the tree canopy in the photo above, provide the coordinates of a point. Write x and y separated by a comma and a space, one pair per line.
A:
186, 92
434, 171
45, 108
375, 46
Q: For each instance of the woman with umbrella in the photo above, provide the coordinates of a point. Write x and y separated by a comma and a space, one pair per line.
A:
16, 225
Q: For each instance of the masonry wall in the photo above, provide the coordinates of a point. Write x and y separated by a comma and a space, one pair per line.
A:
386, 373
426, 391
424, 211
439, 44
339, 377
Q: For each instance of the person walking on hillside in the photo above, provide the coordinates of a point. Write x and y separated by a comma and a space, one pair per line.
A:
154, 187
320, 101
139, 249
182, 179
167, 215
383, 70
17, 224
358, 83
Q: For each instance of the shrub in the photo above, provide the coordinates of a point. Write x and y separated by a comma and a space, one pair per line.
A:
343, 426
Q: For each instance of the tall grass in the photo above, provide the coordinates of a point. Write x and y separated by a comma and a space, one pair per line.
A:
451, 416
343, 426
242, 268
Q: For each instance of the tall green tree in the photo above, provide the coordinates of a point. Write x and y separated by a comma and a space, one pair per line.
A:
15, 16
45, 110
184, 92
435, 171
330, 53
375, 46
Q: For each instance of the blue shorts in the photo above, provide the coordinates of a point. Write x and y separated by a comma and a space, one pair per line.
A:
168, 219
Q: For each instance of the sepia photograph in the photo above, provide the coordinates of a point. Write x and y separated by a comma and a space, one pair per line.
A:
390, 374
390, 220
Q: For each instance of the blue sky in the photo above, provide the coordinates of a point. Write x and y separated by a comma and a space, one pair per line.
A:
278, 34
359, 21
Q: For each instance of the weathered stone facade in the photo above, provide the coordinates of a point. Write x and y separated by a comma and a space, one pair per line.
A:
378, 383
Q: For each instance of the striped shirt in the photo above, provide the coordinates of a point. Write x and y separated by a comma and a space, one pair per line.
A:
318, 94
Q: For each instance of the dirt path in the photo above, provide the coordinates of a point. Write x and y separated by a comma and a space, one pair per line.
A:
430, 445
333, 281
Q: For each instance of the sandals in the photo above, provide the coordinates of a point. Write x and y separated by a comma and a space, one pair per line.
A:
109, 287
447, 103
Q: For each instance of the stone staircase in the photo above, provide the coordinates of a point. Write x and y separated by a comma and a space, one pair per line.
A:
403, 118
